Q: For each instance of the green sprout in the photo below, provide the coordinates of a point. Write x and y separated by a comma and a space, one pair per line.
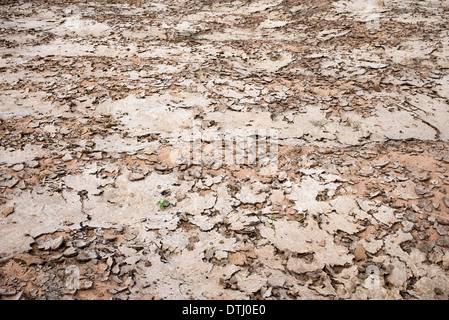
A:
163, 204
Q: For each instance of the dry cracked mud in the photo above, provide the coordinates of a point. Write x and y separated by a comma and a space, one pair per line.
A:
95, 97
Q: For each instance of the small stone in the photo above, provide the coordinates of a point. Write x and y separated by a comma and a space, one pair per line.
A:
421, 176
87, 284
424, 247
135, 176
423, 204
70, 252
443, 241
160, 167
120, 289
132, 260
446, 260
110, 237
22, 185
217, 165
374, 194
282, 176
64, 131
34, 292
67, 157
109, 261
421, 191
440, 229
446, 202
116, 279
82, 257
7, 211
116, 269
363, 205
18, 167
33, 164
7, 292
97, 156
56, 257
381, 164
11, 183
445, 158
443, 221
80, 243
52, 244
236, 107
407, 226
209, 253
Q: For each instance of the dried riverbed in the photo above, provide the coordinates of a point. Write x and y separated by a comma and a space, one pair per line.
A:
96, 96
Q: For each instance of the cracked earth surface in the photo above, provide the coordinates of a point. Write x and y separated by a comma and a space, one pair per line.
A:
94, 94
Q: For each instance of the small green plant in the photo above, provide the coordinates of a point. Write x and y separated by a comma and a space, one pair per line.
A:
272, 220
162, 204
